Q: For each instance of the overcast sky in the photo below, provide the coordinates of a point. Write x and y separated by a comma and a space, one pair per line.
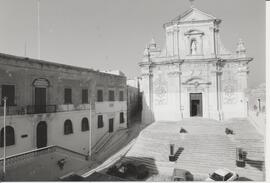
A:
112, 34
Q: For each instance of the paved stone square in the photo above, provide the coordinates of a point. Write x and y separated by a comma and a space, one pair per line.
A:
206, 147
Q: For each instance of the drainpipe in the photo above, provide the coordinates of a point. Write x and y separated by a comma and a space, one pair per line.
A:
90, 132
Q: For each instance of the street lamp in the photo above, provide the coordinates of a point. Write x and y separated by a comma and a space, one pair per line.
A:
4, 138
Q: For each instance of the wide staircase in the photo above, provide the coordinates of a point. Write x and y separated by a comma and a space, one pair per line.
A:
205, 153
206, 147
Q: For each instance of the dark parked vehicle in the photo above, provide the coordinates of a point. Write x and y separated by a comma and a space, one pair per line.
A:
181, 175
142, 171
129, 170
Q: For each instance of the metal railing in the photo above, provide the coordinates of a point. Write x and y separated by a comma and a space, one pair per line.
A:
12, 110
39, 109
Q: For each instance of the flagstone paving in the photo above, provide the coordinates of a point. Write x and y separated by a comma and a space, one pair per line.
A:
206, 147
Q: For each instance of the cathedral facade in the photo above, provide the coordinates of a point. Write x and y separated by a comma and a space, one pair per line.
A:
193, 75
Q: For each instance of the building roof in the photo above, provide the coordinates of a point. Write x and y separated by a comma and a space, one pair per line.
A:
192, 11
43, 62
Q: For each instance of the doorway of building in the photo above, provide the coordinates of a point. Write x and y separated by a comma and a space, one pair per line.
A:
41, 134
40, 100
110, 125
195, 104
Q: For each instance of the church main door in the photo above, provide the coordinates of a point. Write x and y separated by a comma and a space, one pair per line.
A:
195, 104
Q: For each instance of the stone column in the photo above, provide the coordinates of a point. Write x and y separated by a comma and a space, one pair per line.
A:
180, 90
242, 75
213, 93
147, 89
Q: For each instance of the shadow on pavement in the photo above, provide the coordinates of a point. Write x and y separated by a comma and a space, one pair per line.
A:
133, 168
244, 179
255, 163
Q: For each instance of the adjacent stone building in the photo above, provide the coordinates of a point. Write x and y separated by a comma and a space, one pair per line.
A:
193, 75
134, 98
55, 104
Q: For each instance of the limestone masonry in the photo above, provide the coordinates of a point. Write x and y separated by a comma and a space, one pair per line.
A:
193, 75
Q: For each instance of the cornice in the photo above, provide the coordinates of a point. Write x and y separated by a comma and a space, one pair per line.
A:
192, 61
216, 21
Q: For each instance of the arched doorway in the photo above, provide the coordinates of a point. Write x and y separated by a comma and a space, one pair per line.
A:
41, 134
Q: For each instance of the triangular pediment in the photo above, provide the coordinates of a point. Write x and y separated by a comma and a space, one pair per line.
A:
194, 15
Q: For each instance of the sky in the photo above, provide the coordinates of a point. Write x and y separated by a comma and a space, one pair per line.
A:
112, 34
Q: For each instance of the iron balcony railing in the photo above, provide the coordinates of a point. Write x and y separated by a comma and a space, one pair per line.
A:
38, 109
41, 109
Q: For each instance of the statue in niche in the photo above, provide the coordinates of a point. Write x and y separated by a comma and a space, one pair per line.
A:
193, 47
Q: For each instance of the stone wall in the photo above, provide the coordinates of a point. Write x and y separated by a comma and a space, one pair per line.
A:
27, 74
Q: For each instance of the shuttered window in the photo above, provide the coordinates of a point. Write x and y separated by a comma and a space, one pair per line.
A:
85, 125
100, 121
121, 96
111, 95
100, 95
68, 129
10, 136
84, 96
122, 119
9, 92
68, 96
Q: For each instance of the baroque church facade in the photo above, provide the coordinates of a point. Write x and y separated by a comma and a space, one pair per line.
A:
194, 75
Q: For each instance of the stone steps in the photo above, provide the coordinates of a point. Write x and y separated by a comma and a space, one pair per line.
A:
154, 167
206, 146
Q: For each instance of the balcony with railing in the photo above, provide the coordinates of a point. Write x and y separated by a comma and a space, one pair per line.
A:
12, 110
40, 109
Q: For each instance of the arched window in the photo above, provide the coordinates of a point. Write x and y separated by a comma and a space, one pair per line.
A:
68, 129
85, 125
10, 136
